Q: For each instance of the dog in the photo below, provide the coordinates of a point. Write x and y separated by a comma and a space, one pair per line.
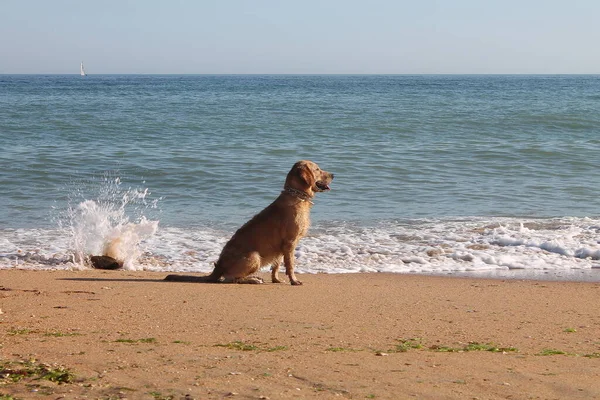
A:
272, 234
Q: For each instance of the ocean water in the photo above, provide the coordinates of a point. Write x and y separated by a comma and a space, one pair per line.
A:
434, 174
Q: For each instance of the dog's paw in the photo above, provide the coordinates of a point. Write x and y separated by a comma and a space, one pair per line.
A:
249, 280
296, 282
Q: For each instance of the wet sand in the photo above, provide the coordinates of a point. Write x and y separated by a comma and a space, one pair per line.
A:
572, 275
122, 334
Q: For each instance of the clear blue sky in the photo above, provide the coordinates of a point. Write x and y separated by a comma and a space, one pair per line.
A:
300, 36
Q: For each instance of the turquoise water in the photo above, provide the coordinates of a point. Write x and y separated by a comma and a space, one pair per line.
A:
480, 171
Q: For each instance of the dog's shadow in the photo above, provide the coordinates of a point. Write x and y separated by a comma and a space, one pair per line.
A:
181, 279
112, 280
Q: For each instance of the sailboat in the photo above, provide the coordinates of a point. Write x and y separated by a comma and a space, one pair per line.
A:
82, 70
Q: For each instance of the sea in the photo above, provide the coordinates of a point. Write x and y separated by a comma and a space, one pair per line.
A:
434, 174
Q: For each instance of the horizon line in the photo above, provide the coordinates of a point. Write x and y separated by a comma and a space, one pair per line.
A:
311, 74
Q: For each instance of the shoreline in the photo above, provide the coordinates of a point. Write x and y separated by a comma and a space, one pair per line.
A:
128, 334
572, 275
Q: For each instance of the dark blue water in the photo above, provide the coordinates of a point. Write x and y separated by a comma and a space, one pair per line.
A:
210, 151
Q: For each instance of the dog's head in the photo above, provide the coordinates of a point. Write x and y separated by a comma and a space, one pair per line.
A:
307, 177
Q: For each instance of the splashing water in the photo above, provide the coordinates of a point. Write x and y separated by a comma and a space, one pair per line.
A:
103, 226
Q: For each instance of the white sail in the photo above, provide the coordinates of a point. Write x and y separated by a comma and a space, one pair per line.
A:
82, 70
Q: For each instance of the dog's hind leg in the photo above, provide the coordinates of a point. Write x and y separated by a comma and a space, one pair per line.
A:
243, 270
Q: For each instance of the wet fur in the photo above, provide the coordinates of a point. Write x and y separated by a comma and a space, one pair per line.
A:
272, 235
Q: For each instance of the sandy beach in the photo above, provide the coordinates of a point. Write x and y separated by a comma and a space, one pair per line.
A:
121, 334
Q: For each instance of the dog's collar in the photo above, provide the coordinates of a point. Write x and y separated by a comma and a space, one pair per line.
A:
298, 194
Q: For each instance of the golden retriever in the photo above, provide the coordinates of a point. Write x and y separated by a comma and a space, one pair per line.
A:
272, 234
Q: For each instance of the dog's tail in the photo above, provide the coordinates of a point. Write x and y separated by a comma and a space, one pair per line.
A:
214, 277
191, 278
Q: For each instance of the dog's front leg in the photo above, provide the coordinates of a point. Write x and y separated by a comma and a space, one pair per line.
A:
275, 272
288, 260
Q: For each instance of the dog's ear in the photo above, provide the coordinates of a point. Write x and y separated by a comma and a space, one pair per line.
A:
306, 175
302, 174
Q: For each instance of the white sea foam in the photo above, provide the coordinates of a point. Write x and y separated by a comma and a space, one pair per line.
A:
418, 246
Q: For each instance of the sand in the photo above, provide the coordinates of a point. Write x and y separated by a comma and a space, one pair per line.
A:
122, 334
